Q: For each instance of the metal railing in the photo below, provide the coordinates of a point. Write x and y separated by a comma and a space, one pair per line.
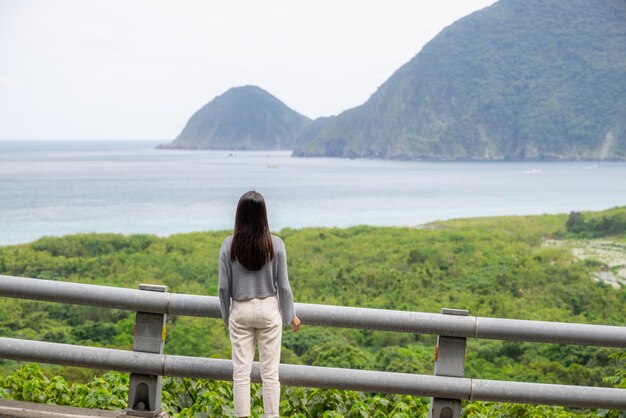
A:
438, 387
324, 315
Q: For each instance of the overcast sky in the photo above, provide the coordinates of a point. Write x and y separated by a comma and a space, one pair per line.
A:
120, 69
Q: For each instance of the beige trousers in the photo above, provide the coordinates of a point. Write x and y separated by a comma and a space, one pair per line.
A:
250, 321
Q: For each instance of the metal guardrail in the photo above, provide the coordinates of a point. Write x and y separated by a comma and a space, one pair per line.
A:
312, 376
325, 315
452, 327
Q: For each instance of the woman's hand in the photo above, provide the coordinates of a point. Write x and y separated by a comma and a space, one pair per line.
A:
295, 324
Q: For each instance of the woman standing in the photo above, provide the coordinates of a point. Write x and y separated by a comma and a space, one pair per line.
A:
255, 299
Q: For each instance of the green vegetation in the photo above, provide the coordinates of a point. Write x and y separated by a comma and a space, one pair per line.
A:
522, 79
607, 223
492, 266
202, 398
30, 384
243, 118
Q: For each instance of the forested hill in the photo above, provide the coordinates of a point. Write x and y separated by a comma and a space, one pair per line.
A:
522, 79
245, 117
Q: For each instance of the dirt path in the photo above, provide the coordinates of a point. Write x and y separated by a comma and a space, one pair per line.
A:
611, 255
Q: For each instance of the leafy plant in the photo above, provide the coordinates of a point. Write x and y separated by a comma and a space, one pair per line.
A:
491, 266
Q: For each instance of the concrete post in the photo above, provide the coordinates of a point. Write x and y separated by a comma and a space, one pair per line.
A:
144, 391
449, 361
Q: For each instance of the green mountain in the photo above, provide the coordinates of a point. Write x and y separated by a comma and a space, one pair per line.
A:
522, 79
244, 118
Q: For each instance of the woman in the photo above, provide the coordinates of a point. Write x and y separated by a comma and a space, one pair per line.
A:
255, 299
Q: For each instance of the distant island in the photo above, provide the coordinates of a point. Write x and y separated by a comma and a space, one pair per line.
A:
519, 80
243, 118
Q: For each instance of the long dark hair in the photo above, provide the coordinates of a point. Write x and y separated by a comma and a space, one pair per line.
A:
252, 241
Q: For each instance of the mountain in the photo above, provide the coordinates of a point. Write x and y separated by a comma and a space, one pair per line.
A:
522, 79
243, 118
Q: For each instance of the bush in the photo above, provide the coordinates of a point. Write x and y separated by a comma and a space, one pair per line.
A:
575, 222
205, 398
611, 222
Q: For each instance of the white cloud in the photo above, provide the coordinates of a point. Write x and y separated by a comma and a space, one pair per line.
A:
9, 83
139, 69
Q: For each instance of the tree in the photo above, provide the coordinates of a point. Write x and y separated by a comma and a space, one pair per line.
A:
575, 222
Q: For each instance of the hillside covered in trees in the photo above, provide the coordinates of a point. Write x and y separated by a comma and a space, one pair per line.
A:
522, 79
243, 118
498, 267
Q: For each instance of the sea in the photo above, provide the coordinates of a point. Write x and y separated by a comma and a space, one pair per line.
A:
54, 188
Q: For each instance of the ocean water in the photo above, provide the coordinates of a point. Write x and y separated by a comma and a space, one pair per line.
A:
64, 187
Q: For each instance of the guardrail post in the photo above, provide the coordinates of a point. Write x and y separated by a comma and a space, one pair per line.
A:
449, 361
144, 391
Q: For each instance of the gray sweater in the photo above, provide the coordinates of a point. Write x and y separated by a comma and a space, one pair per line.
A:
238, 283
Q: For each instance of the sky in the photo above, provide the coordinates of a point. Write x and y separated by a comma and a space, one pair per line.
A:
120, 69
